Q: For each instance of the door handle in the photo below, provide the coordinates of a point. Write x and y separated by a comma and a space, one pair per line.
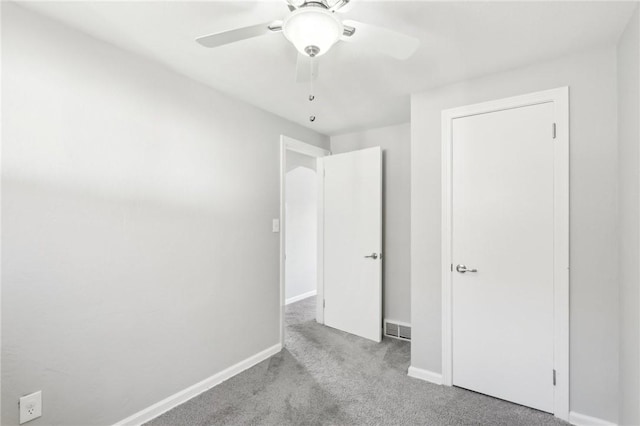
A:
462, 269
373, 256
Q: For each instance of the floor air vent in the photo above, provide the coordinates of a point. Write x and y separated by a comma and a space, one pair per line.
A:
397, 330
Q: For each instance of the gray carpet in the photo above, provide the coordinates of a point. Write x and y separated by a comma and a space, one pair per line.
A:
325, 376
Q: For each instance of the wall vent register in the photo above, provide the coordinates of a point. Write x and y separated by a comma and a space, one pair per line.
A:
397, 331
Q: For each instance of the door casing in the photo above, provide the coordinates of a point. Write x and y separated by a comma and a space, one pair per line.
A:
290, 144
560, 98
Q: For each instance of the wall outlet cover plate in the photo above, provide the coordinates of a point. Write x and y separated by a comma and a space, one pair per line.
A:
30, 407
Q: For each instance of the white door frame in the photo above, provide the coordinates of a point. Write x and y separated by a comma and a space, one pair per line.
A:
560, 99
290, 144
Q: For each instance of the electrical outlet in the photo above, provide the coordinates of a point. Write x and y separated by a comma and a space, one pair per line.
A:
30, 407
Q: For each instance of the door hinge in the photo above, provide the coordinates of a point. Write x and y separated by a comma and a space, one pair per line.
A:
324, 303
553, 130
554, 377
452, 267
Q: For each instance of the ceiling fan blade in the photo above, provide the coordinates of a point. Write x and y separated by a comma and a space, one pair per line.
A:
341, 6
294, 4
389, 42
231, 36
306, 68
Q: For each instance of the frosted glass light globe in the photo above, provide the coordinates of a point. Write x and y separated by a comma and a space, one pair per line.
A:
312, 30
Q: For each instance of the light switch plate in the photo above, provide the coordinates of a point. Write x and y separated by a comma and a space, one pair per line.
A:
275, 225
30, 407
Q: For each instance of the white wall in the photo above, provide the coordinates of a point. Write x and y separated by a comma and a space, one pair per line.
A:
594, 244
629, 211
136, 219
395, 142
295, 160
301, 231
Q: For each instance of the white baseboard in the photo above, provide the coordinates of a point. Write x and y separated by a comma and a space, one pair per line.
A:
426, 375
300, 297
183, 396
578, 419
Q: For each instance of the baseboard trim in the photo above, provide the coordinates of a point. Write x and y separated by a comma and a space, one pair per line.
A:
578, 419
183, 396
300, 297
426, 375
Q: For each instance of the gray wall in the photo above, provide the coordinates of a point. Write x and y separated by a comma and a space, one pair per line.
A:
629, 157
136, 219
594, 243
395, 142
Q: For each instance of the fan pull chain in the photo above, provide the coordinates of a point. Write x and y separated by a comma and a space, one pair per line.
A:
312, 97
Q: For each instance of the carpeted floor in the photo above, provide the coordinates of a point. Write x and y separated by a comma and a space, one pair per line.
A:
325, 376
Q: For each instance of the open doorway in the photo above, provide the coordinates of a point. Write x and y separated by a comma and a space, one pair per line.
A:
301, 225
347, 199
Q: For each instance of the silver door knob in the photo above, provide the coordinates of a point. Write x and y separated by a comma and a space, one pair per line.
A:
373, 256
462, 269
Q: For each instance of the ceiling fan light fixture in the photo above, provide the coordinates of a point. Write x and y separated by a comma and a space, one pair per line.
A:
312, 30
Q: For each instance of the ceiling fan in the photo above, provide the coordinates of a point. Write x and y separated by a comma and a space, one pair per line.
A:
313, 27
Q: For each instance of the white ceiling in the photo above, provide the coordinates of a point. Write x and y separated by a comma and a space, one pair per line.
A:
357, 88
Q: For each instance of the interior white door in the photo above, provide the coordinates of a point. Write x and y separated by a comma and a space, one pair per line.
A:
353, 242
502, 232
